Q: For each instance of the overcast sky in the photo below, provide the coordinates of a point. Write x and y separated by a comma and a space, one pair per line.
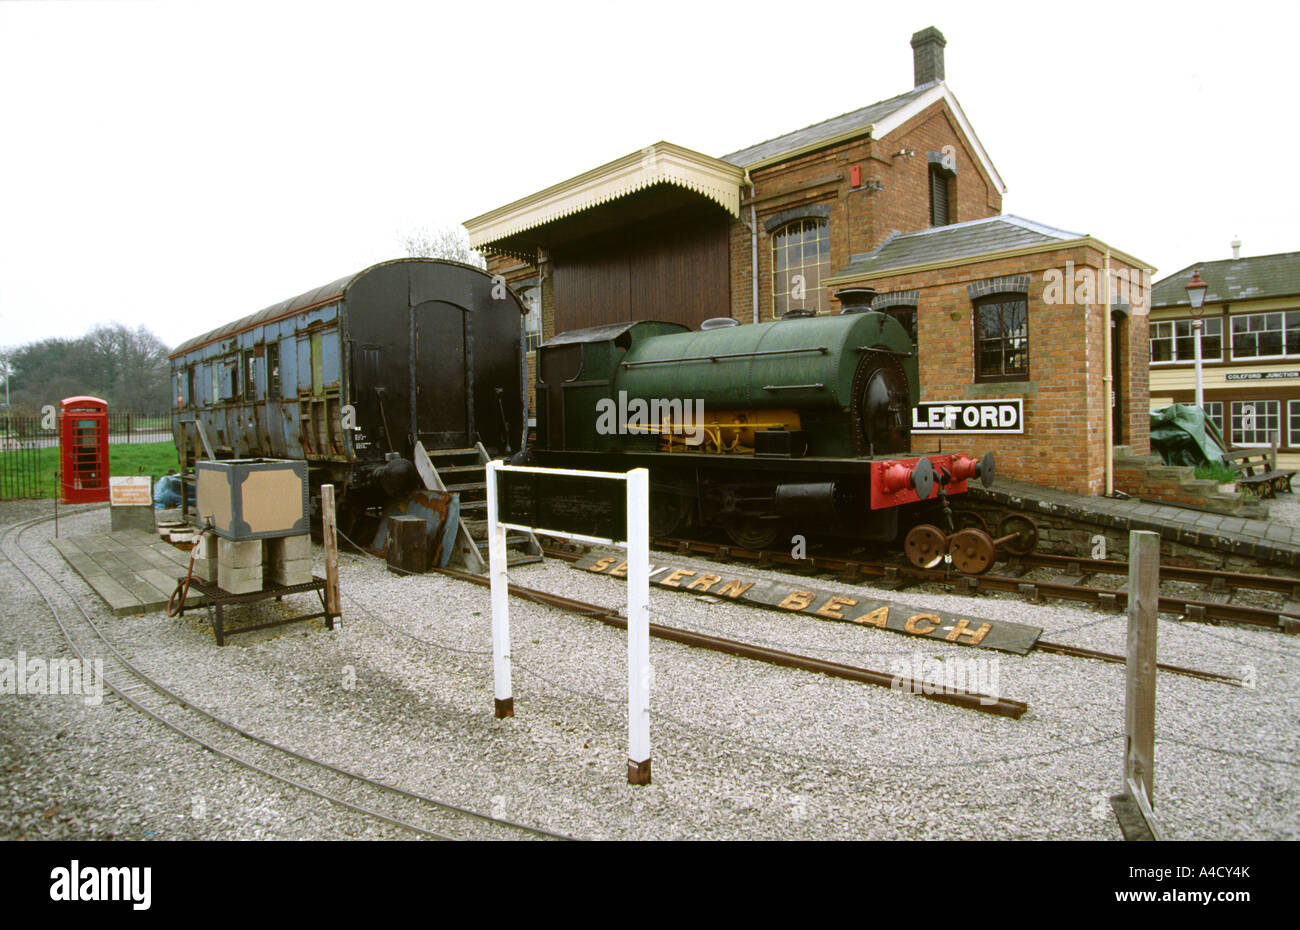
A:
181, 164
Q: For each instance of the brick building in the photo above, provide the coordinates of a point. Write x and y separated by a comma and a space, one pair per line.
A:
671, 234
1250, 349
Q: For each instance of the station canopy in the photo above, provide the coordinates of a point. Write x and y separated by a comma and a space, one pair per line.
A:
658, 179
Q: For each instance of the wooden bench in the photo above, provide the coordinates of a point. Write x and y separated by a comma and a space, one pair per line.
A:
1257, 471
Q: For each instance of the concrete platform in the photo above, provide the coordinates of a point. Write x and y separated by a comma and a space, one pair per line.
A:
1269, 540
132, 570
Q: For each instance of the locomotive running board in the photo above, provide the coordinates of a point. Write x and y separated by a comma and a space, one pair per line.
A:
466, 551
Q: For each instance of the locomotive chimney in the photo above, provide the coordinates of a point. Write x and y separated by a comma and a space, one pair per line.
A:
855, 299
927, 55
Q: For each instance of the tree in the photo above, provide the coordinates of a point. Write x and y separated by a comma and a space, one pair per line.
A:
126, 367
449, 242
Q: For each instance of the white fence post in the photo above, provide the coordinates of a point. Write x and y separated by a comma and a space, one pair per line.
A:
505, 702
638, 627
637, 543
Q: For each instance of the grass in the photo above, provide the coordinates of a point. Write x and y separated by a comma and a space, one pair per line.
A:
1216, 472
31, 474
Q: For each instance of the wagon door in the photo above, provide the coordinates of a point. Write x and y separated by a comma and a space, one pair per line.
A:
440, 408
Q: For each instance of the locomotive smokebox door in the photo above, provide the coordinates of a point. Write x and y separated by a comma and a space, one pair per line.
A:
253, 498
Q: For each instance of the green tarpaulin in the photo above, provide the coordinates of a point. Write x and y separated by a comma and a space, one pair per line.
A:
1181, 434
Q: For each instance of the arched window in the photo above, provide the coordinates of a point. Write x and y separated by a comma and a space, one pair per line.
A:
801, 258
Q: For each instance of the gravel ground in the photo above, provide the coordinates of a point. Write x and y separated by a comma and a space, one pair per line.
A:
741, 750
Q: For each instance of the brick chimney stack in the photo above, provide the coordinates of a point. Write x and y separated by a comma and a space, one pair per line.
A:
927, 55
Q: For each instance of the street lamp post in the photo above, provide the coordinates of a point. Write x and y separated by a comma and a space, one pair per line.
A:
1196, 289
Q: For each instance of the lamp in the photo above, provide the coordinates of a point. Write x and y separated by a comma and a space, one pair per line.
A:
1196, 289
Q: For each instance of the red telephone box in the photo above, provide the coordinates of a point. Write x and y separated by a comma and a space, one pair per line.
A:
83, 450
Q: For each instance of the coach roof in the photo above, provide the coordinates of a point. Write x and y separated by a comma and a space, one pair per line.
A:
317, 297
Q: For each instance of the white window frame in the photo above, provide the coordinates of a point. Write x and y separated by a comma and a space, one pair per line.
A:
531, 298
1292, 439
814, 292
1232, 347
1174, 337
1220, 424
1233, 413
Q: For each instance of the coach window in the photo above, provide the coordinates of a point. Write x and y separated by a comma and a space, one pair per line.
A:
801, 258
273, 371
215, 367
1002, 338
250, 376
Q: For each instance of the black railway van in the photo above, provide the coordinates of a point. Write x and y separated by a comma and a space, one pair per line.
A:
350, 375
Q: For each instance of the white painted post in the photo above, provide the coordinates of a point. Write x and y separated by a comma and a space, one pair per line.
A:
505, 702
638, 627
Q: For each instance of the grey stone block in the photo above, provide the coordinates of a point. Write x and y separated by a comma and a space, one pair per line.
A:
239, 580
288, 548
295, 571
243, 553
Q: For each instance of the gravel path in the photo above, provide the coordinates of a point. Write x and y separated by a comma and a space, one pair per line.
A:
741, 750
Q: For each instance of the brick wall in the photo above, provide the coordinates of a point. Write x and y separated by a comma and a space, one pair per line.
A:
1064, 396
860, 218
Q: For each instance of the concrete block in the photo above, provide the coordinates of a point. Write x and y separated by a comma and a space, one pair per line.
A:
132, 518
244, 553
294, 571
205, 569
207, 547
239, 580
288, 548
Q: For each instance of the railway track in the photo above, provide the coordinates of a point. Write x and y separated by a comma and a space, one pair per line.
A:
408, 811
989, 704
1063, 649
1067, 585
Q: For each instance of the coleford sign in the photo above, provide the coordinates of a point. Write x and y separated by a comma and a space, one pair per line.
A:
1006, 415
911, 620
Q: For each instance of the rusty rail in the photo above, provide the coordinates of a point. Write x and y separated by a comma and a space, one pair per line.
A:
1003, 707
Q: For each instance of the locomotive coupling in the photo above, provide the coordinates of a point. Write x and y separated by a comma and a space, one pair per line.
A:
964, 467
919, 477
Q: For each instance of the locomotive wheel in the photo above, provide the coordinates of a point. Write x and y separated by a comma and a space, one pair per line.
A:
1025, 531
972, 551
969, 520
925, 545
670, 505
752, 532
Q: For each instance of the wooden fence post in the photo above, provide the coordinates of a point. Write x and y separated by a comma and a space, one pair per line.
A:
329, 537
1140, 687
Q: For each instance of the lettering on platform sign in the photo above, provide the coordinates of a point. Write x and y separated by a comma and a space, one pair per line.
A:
130, 491
1260, 375
1006, 415
845, 606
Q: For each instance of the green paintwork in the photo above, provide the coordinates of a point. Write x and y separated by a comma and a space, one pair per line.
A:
738, 383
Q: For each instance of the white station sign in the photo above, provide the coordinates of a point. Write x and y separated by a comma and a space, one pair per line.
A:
1006, 415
